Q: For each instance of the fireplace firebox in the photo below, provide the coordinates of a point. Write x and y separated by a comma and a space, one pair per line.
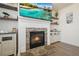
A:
37, 38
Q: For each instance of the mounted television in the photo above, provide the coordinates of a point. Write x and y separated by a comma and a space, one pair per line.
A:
42, 11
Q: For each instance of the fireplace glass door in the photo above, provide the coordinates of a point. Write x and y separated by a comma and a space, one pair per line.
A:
37, 39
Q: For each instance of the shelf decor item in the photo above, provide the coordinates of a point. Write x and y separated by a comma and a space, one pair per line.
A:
69, 18
56, 14
6, 15
13, 29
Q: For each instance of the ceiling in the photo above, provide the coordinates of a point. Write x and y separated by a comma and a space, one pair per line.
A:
60, 6
57, 6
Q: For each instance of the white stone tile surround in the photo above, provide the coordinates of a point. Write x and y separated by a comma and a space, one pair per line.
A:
28, 30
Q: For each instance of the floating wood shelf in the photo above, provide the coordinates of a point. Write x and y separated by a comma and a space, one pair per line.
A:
12, 19
55, 23
8, 7
55, 18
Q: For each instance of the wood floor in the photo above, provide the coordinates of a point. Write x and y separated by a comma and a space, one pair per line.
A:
56, 49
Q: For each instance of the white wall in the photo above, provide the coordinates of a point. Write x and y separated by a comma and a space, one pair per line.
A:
29, 23
7, 25
70, 32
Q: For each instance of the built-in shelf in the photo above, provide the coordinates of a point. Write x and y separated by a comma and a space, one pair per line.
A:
12, 19
54, 24
54, 21
54, 18
8, 33
8, 7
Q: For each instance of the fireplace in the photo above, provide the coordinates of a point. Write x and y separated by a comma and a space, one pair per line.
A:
37, 38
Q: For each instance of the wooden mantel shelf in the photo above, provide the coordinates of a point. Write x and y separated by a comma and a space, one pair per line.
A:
12, 19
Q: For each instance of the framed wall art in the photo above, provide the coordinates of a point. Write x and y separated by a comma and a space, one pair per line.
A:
69, 18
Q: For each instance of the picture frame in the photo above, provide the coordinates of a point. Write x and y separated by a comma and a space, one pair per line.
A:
69, 18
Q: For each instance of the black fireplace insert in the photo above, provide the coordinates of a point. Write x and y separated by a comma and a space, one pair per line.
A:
37, 38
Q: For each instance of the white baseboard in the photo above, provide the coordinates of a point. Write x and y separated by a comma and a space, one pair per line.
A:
70, 43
